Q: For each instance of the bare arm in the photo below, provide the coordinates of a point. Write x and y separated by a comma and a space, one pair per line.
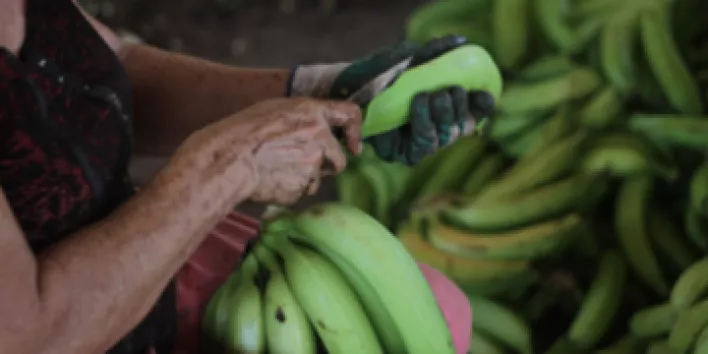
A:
176, 94
82, 295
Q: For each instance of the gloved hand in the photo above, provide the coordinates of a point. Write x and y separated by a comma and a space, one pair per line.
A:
437, 118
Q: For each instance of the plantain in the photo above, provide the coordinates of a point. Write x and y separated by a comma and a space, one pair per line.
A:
534, 170
547, 67
617, 51
632, 229
653, 322
436, 12
675, 130
667, 64
602, 110
625, 155
548, 94
480, 276
531, 242
688, 327
511, 31
667, 238
569, 194
485, 172
602, 302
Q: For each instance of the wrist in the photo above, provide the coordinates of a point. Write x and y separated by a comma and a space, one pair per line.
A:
225, 177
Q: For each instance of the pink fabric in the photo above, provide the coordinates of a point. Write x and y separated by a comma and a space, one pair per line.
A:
221, 251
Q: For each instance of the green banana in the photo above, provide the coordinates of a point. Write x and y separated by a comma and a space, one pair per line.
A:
531, 242
688, 326
661, 347
535, 170
216, 315
690, 286
246, 330
382, 192
684, 131
519, 144
667, 239
631, 225
477, 276
552, 19
510, 31
625, 345
421, 173
602, 302
493, 319
696, 229
481, 344
354, 189
593, 8
336, 313
288, 331
667, 64
585, 33
440, 11
699, 189
617, 46
354, 241
624, 155
654, 321
547, 67
547, 94
602, 110
505, 127
572, 193
464, 154
486, 171
702, 343
558, 126
476, 32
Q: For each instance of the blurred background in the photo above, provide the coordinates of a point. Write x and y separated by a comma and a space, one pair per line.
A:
261, 32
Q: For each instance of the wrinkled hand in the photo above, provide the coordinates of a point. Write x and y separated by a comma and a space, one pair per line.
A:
286, 143
437, 118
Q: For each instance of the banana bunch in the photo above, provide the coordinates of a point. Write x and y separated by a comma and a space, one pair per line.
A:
308, 285
606, 33
679, 324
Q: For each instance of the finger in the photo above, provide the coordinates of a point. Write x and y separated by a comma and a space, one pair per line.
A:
345, 115
481, 104
443, 115
423, 135
461, 110
332, 156
436, 48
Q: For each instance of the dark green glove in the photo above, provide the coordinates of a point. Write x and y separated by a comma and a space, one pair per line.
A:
437, 118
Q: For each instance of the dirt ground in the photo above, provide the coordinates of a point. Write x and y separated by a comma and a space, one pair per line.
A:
256, 33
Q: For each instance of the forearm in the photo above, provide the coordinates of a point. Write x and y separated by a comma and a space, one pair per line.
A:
177, 94
99, 283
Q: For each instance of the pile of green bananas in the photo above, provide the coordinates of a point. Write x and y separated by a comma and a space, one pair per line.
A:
329, 278
580, 213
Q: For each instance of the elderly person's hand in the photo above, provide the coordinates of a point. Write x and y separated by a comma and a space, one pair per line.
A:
286, 144
437, 118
